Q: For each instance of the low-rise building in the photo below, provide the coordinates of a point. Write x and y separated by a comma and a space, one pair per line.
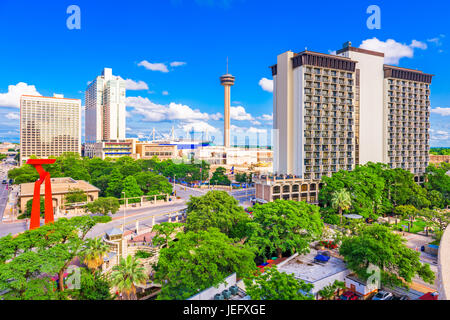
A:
231, 156
436, 159
304, 267
112, 149
286, 187
60, 188
148, 150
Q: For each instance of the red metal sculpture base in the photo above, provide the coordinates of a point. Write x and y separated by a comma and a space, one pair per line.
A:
44, 177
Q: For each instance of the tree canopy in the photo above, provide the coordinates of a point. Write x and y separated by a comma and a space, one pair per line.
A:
29, 260
377, 245
199, 260
284, 226
219, 210
275, 285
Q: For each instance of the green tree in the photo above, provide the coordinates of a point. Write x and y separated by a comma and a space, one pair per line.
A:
34, 254
164, 232
115, 184
75, 196
131, 189
437, 199
29, 206
126, 275
284, 225
219, 177
93, 286
219, 210
199, 260
93, 252
104, 205
329, 291
341, 201
275, 285
407, 212
153, 184
436, 178
377, 245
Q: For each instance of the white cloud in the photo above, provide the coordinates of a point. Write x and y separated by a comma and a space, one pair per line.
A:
266, 117
12, 97
177, 63
252, 130
256, 130
216, 116
441, 111
156, 112
266, 84
439, 135
437, 40
165, 93
12, 116
393, 50
199, 126
256, 123
153, 66
418, 44
239, 113
133, 85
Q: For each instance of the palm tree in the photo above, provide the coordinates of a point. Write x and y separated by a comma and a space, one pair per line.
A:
341, 200
126, 275
93, 253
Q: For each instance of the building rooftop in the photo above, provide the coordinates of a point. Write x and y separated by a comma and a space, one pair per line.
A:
59, 186
303, 267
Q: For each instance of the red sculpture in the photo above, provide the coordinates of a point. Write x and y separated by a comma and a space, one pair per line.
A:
44, 177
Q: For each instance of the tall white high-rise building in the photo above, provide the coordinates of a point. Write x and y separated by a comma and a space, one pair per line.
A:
332, 112
105, 110
49, 126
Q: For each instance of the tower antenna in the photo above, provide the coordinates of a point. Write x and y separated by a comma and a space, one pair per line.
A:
227, 64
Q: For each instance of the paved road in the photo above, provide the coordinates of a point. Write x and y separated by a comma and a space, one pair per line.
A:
145, 220
131, 214
4, 168
3, 199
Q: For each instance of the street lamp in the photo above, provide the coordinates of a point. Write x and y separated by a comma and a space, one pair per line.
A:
124, 206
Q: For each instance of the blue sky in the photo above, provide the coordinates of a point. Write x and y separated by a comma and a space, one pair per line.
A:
173, 52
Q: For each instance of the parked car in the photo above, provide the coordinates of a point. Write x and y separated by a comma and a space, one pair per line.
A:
348, 295
383, 295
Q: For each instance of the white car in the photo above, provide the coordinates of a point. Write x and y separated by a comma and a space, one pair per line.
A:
383, 295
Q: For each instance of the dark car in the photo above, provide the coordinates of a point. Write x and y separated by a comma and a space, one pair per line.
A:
348, 295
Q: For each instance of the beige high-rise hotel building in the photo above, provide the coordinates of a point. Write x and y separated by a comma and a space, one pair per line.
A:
333, 112
49, 126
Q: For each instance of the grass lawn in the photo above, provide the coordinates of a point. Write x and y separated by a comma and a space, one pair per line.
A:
418, 225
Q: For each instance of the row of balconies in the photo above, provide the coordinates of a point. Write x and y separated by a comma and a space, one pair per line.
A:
310, 98
328, 114
330, 155
327, 86
328, 72
326, 93
408, 89
408, 84
328, 134
329, 107
327, 120
328, 127
409, 113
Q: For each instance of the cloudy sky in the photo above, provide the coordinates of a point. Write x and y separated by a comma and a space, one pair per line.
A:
172, 52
